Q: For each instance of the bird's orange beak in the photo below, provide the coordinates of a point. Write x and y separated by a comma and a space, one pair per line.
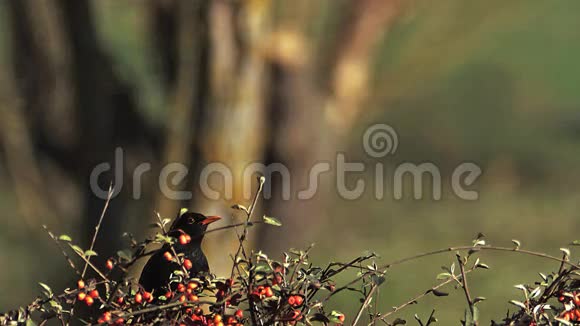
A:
210, 219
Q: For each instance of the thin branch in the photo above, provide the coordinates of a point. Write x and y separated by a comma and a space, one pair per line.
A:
415, 299
98, 227
80, 254
450, 249
365, 303
163, 307
242, 238
466, 288
62, 249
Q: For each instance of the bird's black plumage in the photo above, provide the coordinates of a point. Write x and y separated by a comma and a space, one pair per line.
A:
157, 272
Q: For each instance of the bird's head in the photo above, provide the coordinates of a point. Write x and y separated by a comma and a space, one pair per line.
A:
194, 224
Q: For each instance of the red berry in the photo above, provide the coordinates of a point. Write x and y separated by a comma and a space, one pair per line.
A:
577, 300
299, 300
94, 294
268, 292
187, 264
120, 300
109, 264
292, 300
217, 318
188, 238
193, 298
81, 284
89, 301
192, 285
296, 314
147, 296
169, 294
119, 321
341, 318
562, 298
167, 256
182, 298
181, 287
81, 296
239, 313
138, 298
183, 239
107, 316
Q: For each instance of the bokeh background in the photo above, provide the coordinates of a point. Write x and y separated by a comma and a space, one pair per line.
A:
493, 82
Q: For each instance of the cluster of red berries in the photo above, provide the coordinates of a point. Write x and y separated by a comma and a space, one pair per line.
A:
107, 318
143, 296
188, 292
573, 300
184, 239
196, 315
87, 297
295, 300
262, 292
186, 262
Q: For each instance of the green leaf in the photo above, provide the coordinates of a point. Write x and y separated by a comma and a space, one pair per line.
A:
47, 289
438, 293
90, 253
334, 316
518, 303
78, 249
65, 237
482, 265
575, 243
563, 321
517, 243
271, 220
478, 299
240, 208
443, 276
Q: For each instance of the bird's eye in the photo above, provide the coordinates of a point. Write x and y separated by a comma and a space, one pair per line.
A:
190, 220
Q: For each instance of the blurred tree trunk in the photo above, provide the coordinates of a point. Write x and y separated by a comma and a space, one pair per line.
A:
188, 88
233, 128
310, 120
75, 107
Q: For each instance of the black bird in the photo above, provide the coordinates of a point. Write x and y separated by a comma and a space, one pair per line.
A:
157, 272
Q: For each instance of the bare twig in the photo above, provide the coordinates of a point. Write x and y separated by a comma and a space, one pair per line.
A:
451, 249
241, 250
98, 227
466, 288
80, 254
60, 246
365, 303
415, 299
